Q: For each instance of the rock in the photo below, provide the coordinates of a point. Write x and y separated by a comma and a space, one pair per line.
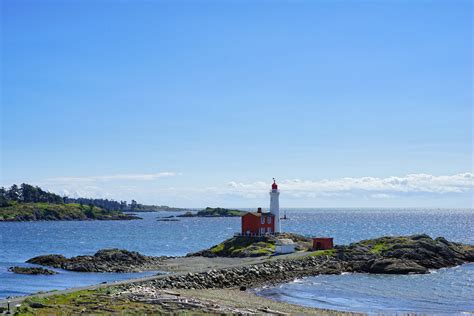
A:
105, 260
55, 261
31, 270
36, 305
396, 266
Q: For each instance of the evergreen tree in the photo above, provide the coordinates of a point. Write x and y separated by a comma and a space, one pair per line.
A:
13, 194
3, 197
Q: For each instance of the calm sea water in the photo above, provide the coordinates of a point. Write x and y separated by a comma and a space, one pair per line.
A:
446, 291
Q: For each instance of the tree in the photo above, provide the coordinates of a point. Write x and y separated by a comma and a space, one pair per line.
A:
13, 194
29, 193
3, 197
123, 205
90, 211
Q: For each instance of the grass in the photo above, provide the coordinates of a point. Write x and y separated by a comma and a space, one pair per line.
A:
318, 253
380, 245
236, 246
379, 248
217, 249
96, 302
263, 249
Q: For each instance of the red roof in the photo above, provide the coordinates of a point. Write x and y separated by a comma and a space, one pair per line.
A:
274, 185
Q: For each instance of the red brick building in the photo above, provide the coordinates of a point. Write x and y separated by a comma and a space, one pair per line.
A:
258, 223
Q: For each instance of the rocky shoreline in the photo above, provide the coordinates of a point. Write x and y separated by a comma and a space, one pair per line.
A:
200, 279
386, 255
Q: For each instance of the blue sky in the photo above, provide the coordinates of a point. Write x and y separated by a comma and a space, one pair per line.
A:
196, 103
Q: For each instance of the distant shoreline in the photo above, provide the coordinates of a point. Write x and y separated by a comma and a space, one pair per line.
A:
28, 212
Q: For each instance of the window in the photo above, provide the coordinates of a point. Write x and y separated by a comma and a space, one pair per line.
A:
269, 220
262, 230
262, 220
269, 230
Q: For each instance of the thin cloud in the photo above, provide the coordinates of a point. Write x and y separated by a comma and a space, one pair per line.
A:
115, 177
377, 187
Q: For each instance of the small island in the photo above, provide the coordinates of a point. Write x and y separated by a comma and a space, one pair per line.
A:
105, 260
214, 212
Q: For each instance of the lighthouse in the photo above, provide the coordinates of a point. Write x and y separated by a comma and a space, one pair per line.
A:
275, 205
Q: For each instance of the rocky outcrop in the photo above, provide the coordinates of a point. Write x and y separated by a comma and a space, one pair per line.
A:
394, 255
106, 260
241, 246
404, 254
30, 270
54, 261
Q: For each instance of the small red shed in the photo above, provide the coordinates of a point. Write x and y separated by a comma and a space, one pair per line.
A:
322, 243
258, 223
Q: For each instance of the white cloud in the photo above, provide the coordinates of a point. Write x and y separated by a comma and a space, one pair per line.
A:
115, 177
451, 190
374, 187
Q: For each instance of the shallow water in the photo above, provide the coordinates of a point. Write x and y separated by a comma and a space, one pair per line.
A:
444, 291
439, 292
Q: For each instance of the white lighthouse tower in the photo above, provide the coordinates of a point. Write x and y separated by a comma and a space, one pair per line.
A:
275, 205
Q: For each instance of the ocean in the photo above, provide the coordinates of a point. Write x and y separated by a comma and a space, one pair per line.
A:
440, 292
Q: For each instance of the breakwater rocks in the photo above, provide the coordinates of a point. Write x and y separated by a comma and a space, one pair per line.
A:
271, 272
105, 260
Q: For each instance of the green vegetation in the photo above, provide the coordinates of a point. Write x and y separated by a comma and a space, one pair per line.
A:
26, 193
215, 212
244, 247
384, 244
49, 212
379, 248
318, 253
88, 302
153, 208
